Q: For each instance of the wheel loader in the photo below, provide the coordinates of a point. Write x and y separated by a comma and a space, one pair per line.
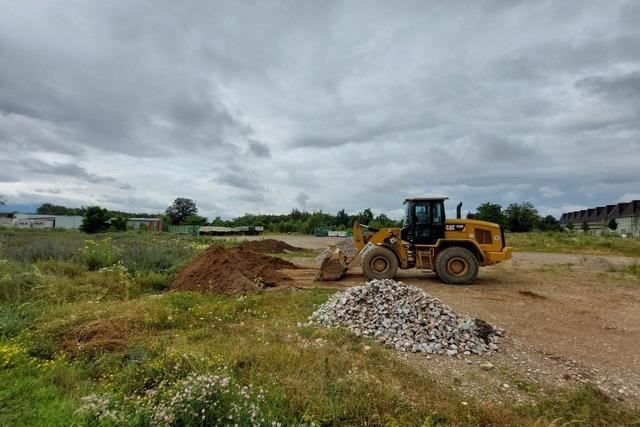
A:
453, 249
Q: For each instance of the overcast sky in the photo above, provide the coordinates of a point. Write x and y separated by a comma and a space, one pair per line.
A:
263, 106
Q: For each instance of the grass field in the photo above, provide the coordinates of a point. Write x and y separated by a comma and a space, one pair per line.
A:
576, 243
90, 335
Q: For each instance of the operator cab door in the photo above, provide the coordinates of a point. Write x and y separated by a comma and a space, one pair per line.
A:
428, 222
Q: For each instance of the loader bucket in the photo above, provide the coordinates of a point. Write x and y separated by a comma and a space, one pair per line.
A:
334, 265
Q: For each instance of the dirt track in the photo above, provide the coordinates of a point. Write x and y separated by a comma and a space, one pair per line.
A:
568, 320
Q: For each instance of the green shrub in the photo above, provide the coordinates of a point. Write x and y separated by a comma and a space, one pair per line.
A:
99, 253
155, 255
152, 281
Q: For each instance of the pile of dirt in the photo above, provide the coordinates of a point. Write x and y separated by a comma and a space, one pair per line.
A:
231, 270
269, 246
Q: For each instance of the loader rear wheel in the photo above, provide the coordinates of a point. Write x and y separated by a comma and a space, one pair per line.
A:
380, 263
457, 266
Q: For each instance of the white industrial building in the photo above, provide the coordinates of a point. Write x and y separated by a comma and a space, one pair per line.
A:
21, 220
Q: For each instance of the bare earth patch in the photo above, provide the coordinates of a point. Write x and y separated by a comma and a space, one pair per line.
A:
567, 321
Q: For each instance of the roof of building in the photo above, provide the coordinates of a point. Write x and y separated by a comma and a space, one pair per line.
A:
601, 213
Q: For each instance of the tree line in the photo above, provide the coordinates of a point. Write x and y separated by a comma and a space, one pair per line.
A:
516, 217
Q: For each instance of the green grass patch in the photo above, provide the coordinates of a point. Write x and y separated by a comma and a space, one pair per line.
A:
574, 243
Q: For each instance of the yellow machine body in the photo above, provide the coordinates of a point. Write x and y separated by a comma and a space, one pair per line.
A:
484, 239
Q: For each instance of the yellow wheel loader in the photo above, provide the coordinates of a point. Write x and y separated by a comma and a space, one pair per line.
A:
453, 249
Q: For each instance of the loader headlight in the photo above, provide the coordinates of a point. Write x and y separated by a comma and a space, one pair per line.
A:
393, 240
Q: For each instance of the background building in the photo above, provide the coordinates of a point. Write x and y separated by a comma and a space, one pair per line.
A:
626, 214
22, 220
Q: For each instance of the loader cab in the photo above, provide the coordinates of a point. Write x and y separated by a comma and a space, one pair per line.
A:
424, 220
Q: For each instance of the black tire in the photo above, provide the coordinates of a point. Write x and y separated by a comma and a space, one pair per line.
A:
457, 266
379, 263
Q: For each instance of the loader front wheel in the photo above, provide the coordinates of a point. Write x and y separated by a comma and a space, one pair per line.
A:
379, 263
457, 266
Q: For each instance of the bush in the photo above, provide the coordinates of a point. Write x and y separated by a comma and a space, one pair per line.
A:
99, 254
156, 255
152, 281
119, 223
96, 220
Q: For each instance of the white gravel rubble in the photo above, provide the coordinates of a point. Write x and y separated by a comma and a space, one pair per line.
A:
407, 319
347, 247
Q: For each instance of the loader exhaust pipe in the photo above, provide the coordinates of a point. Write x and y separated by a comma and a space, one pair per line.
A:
459, 210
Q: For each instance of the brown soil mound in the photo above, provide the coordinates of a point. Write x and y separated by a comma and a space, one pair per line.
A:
231, 270
269, 246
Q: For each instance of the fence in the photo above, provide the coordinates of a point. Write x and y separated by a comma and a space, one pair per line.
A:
185, 229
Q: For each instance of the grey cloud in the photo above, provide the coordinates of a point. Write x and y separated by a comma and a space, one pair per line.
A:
48, 190
64, 169
624, 87
258, 149
302, 198
239, 179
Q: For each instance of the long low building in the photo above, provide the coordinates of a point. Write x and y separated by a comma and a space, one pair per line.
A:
22, 220
626, 215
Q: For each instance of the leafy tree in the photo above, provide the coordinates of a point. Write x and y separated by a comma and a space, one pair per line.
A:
119, 223
342, 218
570, 226
548, 223
365, 217
585, 226
49, 209
195, 220
613, 224
491, 212
218, 222
315, 220
181, 209
382, 221
520, 217
96, 220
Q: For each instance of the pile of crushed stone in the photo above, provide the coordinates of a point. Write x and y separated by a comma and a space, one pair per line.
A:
269, 246
408, 319
347, 247
232, 271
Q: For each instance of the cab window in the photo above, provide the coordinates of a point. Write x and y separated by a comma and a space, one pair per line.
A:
437, 213
422, 214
